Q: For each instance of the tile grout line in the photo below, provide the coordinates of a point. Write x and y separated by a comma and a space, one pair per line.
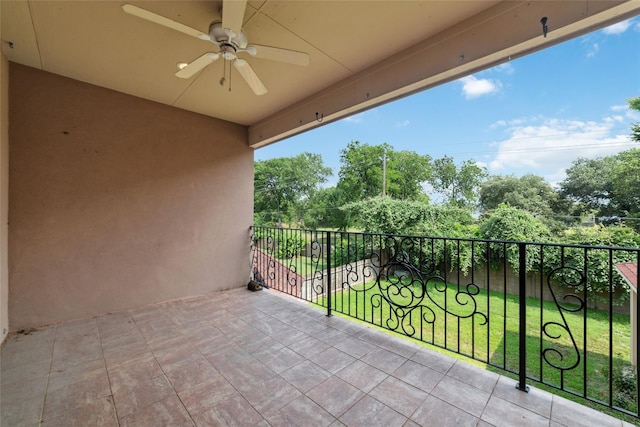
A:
46, 389
104, 362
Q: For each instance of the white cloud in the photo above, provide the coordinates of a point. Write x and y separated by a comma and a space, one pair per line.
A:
506, 68
593, 50
473, 87
618, 28
356, 118
402, 123
549, 147
627, 112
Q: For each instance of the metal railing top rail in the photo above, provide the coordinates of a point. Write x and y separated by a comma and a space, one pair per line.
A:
465, 239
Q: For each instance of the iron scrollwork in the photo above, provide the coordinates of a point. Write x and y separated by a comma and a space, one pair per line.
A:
556, 331
405, 277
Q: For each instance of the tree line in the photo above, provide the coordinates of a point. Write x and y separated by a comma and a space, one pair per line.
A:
440, 197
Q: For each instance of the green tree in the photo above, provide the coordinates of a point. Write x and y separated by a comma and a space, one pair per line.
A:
458, 185
625, 179
282, 184
588, 185
361, 172
323, 209
528, 192
360, 175
608, 186
634, 104
406, 171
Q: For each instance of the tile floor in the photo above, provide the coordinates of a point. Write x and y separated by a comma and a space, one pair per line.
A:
239, 358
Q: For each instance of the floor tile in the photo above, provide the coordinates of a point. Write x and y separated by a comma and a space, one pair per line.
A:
462, 395
235, 411
384, 360
137, 385
185, 377
24, 372
306, 375
434, 360
399, 396
418, 375
300, 412
369, 412
280, 360
99, 412
473, 375
534, 400
272, 394
207, 395
355, 347
92, 370
245, 377
91, 394
361, 375
567, 412
435, 412
332, 359
400, 347
502, 413
335, 395
21, 412
331, 336
167, 412
308, 347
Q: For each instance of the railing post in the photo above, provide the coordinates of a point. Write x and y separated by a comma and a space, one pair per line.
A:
522, 307
328, 272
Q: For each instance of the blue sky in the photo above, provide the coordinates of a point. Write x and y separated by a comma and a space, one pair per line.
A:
535, 114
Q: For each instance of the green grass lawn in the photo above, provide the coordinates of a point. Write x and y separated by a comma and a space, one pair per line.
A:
304, 265
485, 327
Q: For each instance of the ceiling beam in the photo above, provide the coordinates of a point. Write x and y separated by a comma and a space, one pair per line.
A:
504, 32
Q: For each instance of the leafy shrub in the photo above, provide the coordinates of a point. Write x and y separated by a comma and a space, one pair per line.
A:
625, 394
511, 224
291, 244
598, 266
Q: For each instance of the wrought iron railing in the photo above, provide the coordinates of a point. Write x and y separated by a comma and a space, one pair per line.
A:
551, 313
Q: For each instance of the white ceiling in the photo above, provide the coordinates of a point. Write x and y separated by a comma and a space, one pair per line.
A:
385, 49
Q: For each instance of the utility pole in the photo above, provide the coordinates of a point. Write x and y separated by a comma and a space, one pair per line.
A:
384, 173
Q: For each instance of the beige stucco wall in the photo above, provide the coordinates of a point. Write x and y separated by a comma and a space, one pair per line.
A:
117, 202
4, 195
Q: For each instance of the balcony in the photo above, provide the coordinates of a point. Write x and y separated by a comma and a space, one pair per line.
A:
242, 358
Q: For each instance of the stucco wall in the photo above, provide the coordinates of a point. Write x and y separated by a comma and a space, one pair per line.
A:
117, 202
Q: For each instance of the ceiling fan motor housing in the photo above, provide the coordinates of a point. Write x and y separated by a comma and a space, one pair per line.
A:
220, 37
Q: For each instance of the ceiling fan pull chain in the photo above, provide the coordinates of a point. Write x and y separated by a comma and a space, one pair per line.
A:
223, 80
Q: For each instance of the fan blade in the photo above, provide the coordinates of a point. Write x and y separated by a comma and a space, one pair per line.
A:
165, 22
233, 16
278, 54
250, 76
198, 64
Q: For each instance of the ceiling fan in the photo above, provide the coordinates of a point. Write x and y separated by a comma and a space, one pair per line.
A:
230, 40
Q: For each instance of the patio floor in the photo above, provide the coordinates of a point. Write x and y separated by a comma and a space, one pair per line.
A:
242, 358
